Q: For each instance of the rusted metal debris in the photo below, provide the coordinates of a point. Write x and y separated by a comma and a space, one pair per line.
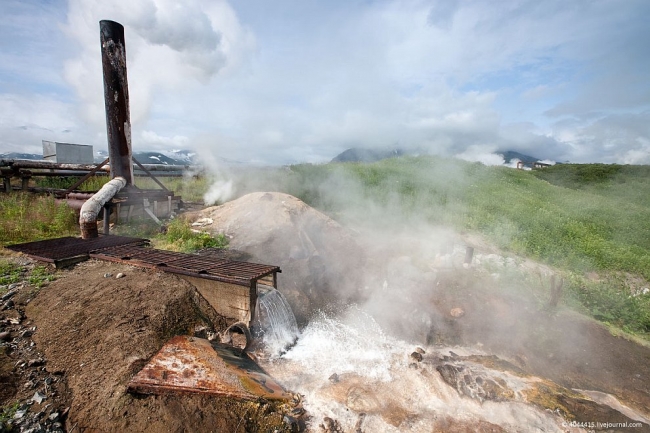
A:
240, 273
68, 250
193, 365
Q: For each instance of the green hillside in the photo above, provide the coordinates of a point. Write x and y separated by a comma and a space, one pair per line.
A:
577, 218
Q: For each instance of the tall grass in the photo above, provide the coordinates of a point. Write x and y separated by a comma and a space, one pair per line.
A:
180, 237
29, 217
93, 183
191, 189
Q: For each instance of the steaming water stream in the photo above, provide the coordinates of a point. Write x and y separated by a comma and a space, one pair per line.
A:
276, 323
374, 377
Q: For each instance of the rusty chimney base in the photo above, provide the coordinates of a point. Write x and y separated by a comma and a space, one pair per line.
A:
89, 230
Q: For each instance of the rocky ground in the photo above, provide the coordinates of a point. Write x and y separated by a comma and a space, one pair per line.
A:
34, 396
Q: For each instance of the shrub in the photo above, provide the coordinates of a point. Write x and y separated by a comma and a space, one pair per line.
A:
181, 237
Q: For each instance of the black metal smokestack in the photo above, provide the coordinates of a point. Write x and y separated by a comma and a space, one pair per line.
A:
116, 98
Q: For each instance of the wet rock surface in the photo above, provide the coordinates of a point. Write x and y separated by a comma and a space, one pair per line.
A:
470, 384
482, 384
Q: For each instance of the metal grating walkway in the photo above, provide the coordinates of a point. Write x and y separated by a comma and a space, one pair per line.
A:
135, 251
68, 250
240, 273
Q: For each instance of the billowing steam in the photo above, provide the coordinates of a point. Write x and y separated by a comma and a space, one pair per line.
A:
219, 192
170, 47
405, 282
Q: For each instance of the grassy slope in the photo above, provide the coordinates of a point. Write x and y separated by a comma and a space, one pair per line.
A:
574, 225
576, 218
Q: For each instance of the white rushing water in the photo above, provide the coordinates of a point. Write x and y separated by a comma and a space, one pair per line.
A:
276, 321
374, 377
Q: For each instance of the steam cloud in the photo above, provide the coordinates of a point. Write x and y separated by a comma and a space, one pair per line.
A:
171, 47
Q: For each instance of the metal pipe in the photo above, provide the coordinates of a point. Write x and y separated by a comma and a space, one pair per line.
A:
79, 195
75, 204
34, 164
116, 99
90, 209
107, 217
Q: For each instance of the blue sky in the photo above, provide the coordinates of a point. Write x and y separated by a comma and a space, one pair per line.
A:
300, 81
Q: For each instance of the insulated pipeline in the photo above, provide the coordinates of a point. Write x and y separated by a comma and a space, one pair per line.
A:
92, 207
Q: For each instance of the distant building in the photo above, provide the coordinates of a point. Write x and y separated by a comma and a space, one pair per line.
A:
521, 165
66, 153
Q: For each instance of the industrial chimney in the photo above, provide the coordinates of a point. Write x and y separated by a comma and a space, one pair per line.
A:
118, 126
116, 99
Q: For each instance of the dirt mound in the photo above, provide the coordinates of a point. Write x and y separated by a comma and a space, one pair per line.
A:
319, 258
98, 331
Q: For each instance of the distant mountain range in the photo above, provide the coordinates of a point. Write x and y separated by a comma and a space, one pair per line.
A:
356, 154
174, 157
187, 157
15, 155
509, 155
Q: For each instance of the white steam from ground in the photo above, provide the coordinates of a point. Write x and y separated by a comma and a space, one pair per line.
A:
411, 288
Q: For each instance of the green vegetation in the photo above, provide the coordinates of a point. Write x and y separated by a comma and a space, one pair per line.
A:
12, 273
7, 415
577, 218
180, 237
93, 183
39, 276
177, 235
9, 273
28, 217
580, 219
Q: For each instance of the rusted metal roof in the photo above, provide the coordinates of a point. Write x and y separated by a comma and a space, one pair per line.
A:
70, 249
241, 273
190, 364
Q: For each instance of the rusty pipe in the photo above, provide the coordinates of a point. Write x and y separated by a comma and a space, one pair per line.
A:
92, 207
116, 99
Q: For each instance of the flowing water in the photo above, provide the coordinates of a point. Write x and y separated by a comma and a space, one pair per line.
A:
276, 323
348, 369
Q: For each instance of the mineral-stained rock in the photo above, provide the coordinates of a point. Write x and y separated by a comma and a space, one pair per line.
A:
471, 385
457, 312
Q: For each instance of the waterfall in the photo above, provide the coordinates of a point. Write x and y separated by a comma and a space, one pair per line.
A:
275, 322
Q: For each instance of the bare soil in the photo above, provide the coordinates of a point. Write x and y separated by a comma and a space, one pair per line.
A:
95, 332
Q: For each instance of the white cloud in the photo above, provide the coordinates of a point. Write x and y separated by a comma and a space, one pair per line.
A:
295, 81
172, 47
483, 154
